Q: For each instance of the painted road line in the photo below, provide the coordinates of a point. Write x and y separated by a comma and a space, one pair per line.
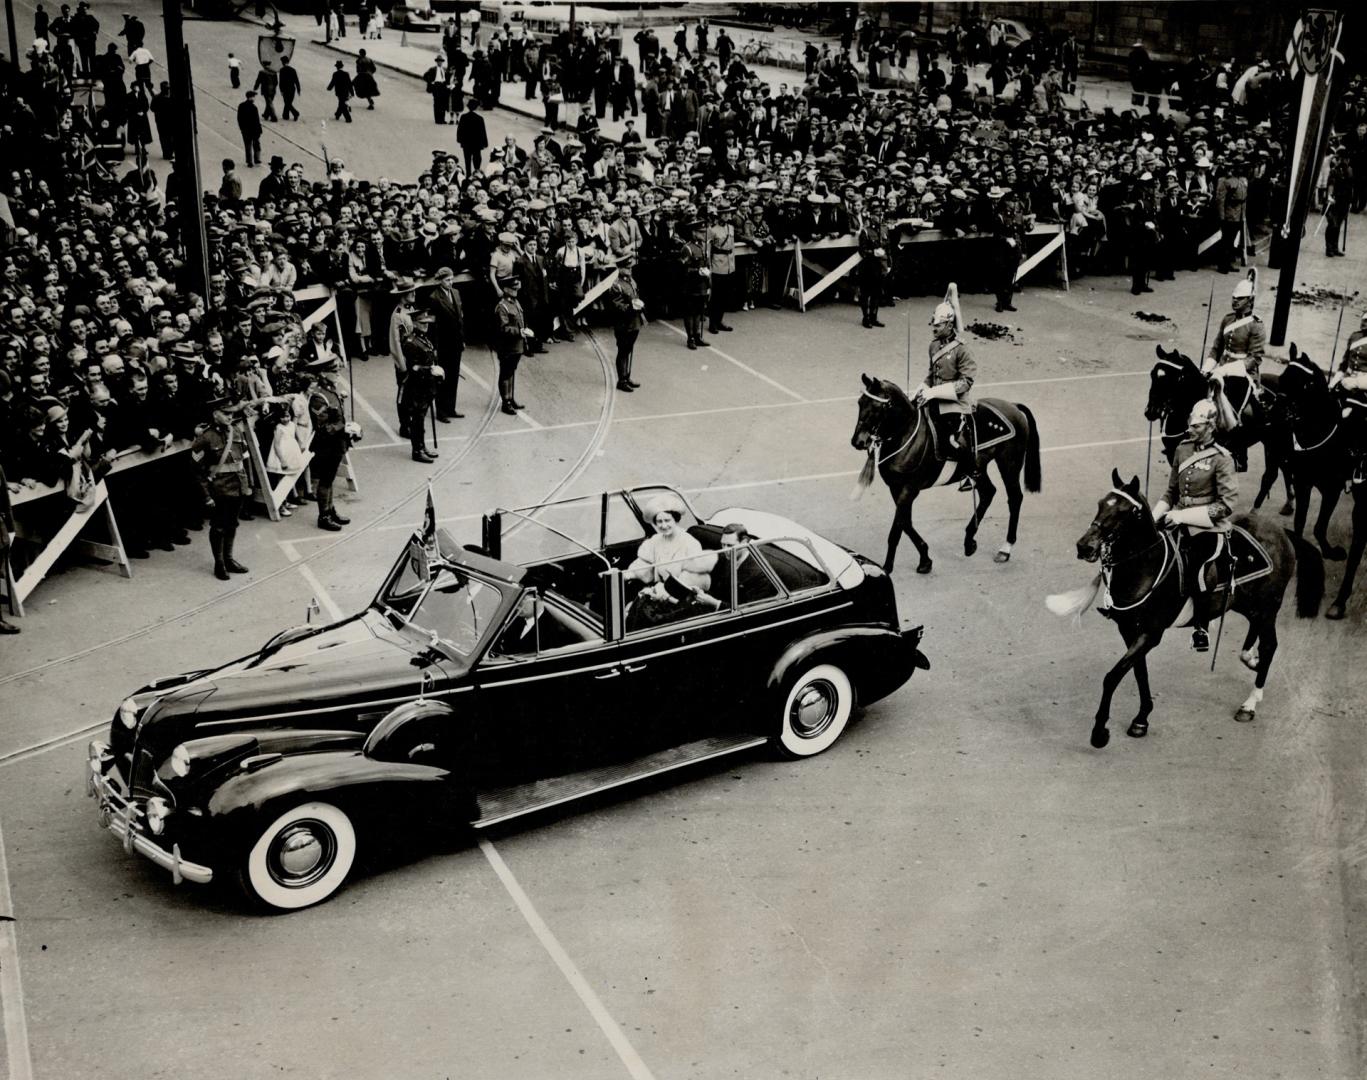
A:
630, 1058
390, 433
743, 366
11, 986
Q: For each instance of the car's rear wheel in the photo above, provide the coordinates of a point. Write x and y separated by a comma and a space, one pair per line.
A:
301, 858
816, 710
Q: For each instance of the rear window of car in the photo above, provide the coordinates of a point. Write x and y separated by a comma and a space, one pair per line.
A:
794, 565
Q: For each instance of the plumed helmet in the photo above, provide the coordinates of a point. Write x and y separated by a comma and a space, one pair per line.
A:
944, 313
1203, 412
1243, 290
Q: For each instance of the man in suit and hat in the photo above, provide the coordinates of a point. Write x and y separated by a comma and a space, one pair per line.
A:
290, 89
1008, 225
448, 332
628, 318
273, 185
420, 384
341, 85
249, 124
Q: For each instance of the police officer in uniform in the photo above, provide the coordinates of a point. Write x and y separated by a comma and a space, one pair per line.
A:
875, 247
697, 280
627, 319
1238, 349
331, 437
949, 384
1201, 495
510, 330
219, 453
1008, 225
420, 385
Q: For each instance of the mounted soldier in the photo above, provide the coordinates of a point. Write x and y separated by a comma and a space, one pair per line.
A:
1351, 378
1237, 352
948, 387
1200, 498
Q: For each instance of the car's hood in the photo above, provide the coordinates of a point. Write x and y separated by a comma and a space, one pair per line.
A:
361, 659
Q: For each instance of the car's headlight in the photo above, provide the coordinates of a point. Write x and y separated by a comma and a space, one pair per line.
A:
157, 810
128, 713
180, 760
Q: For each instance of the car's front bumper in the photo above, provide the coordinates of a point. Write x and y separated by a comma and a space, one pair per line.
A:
121, 815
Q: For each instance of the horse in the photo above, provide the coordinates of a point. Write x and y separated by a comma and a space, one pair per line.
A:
887, 417
1323, 458
1176, 384
1146, 575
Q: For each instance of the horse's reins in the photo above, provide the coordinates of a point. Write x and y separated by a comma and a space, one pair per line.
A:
1109, 562
875, 442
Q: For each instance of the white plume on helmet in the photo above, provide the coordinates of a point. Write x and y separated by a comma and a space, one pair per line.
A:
948, 310
1243, 289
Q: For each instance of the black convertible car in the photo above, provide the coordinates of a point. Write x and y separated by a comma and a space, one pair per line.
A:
489, 681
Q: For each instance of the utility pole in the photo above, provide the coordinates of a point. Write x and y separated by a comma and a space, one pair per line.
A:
13, 39
189, 189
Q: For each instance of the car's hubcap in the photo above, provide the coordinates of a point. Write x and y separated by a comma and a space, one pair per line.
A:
302, 854
813, 709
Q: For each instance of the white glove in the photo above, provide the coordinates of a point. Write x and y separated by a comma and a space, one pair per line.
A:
527, 332
1335, 379
638, 305
438, 372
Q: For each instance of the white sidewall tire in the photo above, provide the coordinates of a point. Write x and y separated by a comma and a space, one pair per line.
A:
263, 887
794, 745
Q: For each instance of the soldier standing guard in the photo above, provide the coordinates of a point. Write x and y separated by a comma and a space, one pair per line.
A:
510, 330
1200, 496
948, 386
696, 280
1231, 192
331, 437
1008, 225
420, 386
875, 240
627, 321
219, 453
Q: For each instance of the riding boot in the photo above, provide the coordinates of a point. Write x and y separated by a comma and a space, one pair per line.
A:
873, 314
969, 440
216, 546
229, 563
1200, 638
505, 392
512, 392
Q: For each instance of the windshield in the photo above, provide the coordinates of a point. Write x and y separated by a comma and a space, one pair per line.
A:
458, 609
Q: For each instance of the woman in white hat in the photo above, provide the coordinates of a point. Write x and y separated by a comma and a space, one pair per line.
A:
673, 565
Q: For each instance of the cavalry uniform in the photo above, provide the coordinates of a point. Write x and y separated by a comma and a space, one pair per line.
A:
1353, 366
1238, 347
948, 387
1202, 488
220, 455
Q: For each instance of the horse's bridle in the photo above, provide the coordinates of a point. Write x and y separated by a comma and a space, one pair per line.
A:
875, 440
1109, 561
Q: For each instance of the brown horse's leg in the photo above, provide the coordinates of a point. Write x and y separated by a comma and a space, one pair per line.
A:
1014, 497
901, 523
1139, 642
986, 492
1139, 726
1303, 489
1329, 498
1350, 569
1267, 649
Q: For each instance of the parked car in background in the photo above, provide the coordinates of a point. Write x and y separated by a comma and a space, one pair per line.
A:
407, 15
486, 682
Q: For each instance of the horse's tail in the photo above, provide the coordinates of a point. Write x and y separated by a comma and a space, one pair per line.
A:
1033, 474
1309, 577
866, 473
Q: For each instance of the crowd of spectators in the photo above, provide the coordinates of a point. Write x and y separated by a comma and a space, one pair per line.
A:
106, 346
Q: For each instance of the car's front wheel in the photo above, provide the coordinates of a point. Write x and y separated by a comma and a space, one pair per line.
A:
816, 710
301, 858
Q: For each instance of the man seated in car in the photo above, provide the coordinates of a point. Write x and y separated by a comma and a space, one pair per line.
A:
535, 625
752, 583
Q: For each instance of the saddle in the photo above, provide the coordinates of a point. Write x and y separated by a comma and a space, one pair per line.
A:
1238, 558
989, 428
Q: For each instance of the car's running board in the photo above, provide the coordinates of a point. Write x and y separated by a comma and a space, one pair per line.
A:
511, 802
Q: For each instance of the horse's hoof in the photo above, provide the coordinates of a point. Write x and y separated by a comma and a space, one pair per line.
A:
1243, 716
1335, 611
1137, 729
970, 546
1334, 553
923, 567
1100, 737
1002, 556
887, 568
1287, 510
1249, 660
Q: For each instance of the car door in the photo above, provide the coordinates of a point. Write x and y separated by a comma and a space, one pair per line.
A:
548, 694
